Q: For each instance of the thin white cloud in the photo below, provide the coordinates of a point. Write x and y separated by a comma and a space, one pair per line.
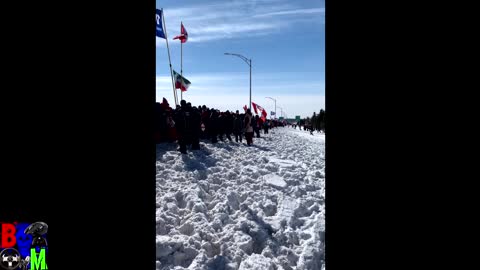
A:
227, 20
232, 29
220, 32
292, 12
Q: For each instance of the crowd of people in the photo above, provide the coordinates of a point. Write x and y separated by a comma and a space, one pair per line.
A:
189, 124
306, 127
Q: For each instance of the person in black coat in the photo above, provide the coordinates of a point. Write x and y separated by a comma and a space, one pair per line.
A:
212, 126
180, 118
255, 125
265, 127
221, 125
189, 125
205, 115
238, 126
228, 124
248, 121
196, 122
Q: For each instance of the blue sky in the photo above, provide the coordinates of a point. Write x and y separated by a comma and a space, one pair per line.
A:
285, 40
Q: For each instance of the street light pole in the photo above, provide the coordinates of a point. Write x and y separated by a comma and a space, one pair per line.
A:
275, 105
249, 63
281, 110
250, 103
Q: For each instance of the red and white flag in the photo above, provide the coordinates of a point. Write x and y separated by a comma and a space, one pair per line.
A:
260, 109
245, 108
255, 107
184, 35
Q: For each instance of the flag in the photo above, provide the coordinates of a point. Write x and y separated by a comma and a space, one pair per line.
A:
159, 19
181, 82
272, 113
184, 35
264, 114
255, 107
260, 109
245, 108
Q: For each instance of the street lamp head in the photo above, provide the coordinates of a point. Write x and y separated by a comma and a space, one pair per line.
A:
272, 99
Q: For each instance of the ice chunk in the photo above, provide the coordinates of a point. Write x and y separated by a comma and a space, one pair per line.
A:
275, 180
256, 261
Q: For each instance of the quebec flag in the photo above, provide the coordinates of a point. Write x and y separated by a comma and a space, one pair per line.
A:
159, 20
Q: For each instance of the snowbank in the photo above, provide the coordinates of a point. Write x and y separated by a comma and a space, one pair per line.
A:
229, 206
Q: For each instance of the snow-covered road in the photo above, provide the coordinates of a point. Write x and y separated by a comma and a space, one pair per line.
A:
229, 206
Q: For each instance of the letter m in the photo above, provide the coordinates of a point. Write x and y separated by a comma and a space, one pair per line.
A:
37, 262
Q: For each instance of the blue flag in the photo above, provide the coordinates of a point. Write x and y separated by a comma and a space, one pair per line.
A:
159, 19
272, 113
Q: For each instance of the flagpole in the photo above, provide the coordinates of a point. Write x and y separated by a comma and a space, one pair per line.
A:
169, 61
250, 83
181, 65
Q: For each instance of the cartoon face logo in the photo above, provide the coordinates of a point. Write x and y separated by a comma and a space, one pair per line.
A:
23, 240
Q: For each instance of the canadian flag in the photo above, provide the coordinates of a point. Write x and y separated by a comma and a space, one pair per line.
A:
262, 111
255, 107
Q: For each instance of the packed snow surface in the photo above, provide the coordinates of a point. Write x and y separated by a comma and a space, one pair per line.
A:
230, 206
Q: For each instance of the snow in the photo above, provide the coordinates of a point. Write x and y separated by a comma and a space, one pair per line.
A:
230, 206
275, 180
306, 134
